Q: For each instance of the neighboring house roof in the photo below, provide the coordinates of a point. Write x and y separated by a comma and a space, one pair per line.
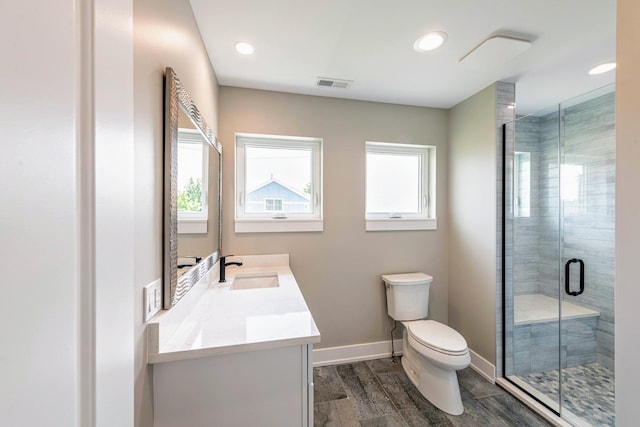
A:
276, 189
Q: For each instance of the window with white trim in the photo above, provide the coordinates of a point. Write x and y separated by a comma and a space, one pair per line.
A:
278, 183
400, 187
522, 184
193, 167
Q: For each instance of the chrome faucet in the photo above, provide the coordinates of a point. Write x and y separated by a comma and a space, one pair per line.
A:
224, 264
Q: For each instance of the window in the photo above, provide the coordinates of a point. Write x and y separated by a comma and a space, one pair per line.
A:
278, 183
273, 204
192, 182
400, 187
522, 184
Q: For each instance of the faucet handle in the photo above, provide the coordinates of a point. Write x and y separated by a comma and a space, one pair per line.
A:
223, 264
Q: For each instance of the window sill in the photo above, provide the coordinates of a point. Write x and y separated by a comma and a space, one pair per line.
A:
278, 225
400, 224
192, 226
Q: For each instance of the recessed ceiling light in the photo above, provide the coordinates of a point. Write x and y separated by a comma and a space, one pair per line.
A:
430, 41
244, 48
602, 68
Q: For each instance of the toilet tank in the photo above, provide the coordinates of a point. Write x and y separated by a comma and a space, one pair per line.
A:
407, 295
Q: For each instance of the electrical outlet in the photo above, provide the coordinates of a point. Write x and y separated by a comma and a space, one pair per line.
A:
152, 299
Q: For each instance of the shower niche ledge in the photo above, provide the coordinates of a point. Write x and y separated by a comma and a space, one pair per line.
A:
538, 308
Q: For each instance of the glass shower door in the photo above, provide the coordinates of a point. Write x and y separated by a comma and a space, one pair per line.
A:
559, 286
587, 231
533, 346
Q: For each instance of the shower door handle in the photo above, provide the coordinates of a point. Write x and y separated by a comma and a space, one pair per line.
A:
567, 277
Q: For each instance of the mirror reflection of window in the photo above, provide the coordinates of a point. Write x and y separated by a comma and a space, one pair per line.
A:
192, 175
522, 184
192, 168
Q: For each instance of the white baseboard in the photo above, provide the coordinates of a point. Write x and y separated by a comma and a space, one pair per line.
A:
381, 349
483, 366
355, 353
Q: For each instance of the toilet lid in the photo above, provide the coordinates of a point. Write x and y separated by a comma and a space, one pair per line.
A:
437, 336
407, 279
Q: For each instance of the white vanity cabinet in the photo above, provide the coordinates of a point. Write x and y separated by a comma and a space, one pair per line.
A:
243, 357
271, 387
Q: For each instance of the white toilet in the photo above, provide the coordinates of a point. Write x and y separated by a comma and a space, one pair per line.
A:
432, 351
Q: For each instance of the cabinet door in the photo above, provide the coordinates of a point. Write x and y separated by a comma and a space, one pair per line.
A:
256, 388
307, 384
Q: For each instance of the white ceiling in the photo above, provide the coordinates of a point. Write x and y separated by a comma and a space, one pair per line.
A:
371, 43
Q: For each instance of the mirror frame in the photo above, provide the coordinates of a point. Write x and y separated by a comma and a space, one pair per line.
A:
175, 96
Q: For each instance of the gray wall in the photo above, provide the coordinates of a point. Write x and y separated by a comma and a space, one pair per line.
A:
66, 247
505, 114
588, 138
339, 269
41, 320
627, 212
165, 35
472, 221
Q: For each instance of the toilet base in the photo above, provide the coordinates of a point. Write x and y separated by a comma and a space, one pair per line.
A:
439, 386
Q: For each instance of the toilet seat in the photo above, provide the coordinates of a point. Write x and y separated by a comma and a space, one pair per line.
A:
437, 337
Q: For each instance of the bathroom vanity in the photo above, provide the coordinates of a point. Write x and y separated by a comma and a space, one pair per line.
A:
237, 353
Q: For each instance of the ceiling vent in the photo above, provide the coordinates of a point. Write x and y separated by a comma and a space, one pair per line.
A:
337, 83
494, 52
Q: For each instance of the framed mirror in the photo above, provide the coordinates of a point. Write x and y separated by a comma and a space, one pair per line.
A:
192, 193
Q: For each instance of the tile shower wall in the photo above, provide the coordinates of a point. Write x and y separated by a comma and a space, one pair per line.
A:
525, 229
536, 345
588, 135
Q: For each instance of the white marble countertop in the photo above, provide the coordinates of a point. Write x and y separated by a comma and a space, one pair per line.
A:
212, 319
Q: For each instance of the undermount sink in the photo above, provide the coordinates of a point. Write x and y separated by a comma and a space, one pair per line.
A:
255, 281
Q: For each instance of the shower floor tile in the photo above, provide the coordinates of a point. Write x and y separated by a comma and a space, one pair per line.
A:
588, 391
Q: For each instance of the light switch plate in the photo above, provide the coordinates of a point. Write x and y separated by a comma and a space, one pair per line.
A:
152, 299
